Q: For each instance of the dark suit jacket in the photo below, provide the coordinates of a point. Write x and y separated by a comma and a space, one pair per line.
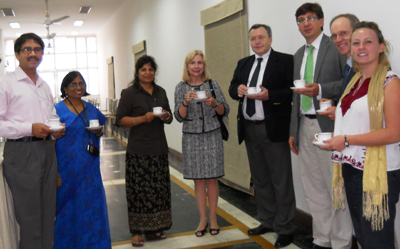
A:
278, 78
329, 69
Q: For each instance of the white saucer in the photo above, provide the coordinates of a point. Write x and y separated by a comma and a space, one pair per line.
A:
200, 98
319, 143
94, 127
58, 128
251, 94
294, 88
321, 111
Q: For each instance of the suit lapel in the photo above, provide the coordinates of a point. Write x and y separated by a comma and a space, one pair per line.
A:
269, 68
323, 49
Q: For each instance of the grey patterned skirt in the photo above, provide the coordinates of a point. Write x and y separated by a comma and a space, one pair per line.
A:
203, 155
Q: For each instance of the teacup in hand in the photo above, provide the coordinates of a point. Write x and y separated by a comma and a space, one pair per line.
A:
299, 83
325, 105
251, 90
53, 123
157, 110
94, 123
323, 136
201, 94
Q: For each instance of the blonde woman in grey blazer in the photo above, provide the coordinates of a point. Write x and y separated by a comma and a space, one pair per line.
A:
202, 146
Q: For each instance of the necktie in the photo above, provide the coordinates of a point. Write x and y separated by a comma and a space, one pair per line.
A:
308, 77
345, 78
251, 105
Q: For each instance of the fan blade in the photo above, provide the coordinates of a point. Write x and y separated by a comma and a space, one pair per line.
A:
52, 36
59, 19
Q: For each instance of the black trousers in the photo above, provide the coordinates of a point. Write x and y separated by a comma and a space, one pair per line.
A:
271, 171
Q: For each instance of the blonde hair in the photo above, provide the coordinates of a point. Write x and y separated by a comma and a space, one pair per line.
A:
188, 59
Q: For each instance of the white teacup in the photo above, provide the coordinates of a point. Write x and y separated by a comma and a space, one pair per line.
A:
324, 105
299, 83
157, 110
201, 94
323, 136
94, 123
252, 90
53, 122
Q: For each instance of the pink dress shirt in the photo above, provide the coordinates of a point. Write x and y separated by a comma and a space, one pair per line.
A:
22, 103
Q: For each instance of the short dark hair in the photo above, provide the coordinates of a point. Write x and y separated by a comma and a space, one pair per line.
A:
310, 7
266, 27
351, 17
68, 79
27, 36
145, 59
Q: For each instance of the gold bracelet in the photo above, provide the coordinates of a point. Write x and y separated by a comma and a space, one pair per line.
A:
134, 123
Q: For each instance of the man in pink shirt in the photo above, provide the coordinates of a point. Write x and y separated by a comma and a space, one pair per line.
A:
30, 163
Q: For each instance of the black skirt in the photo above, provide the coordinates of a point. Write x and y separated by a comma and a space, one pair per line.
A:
148, 193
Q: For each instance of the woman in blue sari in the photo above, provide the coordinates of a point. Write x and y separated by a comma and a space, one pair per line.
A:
82, 218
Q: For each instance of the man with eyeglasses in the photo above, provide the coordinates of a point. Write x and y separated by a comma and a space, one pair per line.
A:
341, 30
320, 64
30, 163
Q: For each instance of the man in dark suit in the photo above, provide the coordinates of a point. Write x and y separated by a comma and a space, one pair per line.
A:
341, 30
263, 123
321, 65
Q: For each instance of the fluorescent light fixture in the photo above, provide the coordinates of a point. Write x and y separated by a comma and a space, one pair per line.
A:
78, 23
15, 25
74, 32
8, 12
85, 9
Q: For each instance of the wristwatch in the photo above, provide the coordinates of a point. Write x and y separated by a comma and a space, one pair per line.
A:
346, 143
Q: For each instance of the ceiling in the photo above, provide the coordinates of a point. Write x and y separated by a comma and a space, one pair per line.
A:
31, 16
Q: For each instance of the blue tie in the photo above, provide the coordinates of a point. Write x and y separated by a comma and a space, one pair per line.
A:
345, 78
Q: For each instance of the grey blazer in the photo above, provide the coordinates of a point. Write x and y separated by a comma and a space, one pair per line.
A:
328, 73
200, 118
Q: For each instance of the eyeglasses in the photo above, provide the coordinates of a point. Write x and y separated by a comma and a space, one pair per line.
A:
75, 85
342, 35
28, 50
310, 19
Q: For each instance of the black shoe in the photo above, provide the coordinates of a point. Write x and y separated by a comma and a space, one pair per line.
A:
283, 240
200, 233
259, 230
320, 247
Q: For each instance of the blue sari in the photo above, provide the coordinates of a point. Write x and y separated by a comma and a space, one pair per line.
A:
82, 218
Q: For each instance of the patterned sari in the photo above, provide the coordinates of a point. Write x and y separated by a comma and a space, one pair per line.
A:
82, 218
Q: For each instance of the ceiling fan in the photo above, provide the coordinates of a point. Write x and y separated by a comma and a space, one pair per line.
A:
48, 21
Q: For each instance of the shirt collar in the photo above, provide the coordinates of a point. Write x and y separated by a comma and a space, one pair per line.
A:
264, 56
22, 76
317, 42
350, 61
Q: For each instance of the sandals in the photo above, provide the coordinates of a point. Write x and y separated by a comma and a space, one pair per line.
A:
158, 236
214, 231
200, 233
139, 242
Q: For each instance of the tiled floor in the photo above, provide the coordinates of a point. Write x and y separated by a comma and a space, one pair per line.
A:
235, 211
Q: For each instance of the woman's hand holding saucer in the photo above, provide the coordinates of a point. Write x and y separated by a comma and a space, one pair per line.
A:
210, 101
